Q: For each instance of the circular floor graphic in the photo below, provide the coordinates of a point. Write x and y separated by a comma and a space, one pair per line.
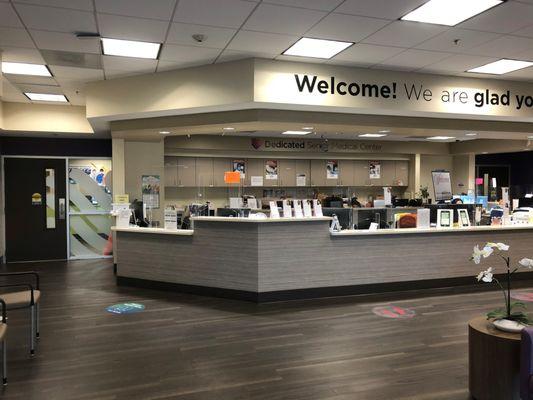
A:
393, 312
522, 296
125, 308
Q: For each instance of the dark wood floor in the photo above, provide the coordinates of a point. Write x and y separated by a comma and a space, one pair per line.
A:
196, 348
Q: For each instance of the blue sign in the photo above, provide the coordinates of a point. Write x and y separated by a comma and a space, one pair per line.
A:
125, 308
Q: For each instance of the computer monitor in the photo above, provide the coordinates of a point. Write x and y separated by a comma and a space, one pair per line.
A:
343, 214
366, 216
442, 185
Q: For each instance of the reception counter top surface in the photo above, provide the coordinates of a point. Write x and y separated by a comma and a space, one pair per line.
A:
406, 231
160, 231
259, 220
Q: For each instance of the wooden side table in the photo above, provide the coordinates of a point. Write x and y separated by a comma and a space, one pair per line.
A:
494, 362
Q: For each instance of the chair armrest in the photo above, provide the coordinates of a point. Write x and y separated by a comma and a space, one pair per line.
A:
32, 273
4, 311
25, 285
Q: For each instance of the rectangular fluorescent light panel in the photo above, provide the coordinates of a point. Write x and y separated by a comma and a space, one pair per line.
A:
46, 97
449, 12
296, 133
441, 138
130, 48
316, 48
372, 135
25, 69
501, 67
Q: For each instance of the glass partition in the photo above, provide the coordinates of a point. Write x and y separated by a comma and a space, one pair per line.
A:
89, 208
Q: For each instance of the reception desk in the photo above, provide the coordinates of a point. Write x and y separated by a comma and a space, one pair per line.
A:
280, 259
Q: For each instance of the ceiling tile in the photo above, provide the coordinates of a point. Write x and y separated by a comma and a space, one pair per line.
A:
379, 8
112, 74
504, 46
75, 96
404, 34
527, 31
73, 74
31, 80
277, 19
72, 59
526, 73
156, 9
324, 5
183, 56
505, 18
414, 59
52, 89
8, 16
224, 13
129, 64
86, 5
15, 37
457, 63
361, 53
269, 43
65, 42
234, 55
350, 28
56, 19
21, 54
215, 37
118, 27
467, 40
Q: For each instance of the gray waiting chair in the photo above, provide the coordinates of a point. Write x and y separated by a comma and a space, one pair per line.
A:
3, 335
28, 296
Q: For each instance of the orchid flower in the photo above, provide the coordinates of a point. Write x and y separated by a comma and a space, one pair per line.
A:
485, 276
526, 262
500, 246
477, 254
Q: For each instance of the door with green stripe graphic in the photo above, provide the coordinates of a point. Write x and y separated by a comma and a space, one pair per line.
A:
89, 208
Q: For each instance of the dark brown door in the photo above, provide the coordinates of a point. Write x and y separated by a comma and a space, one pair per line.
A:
35, 209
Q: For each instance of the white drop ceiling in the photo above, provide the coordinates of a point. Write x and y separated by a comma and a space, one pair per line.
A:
33, 31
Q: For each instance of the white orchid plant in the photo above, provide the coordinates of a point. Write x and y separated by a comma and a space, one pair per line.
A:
514, 311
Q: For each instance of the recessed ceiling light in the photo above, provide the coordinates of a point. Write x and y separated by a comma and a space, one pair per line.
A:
530, 137
25, 69
46, 97
449, 12
228, 128
372, 135
296, 133
308, 127
441, 138
484, 152
164, 132
471, 134
384, 131
316, 48
130, 48
501, 67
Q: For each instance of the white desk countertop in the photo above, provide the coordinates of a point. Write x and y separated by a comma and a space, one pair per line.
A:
159, 231
407, 231
259, 220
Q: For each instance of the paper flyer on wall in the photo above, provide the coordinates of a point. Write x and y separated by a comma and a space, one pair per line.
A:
301, 180
271, 170
239, 166
256, 181
150, 187
374, 169
332, 169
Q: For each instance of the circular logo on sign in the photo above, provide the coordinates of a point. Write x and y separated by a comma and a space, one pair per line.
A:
522, 296
393, 312
125, 308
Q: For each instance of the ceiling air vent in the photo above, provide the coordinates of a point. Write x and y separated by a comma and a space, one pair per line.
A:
72, 59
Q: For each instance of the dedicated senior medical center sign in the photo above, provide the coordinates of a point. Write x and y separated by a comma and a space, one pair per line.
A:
390, 92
